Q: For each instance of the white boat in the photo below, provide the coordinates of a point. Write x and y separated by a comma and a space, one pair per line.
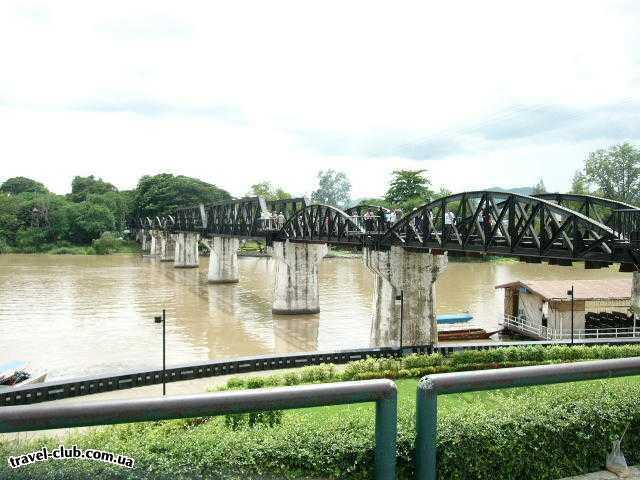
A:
18, 374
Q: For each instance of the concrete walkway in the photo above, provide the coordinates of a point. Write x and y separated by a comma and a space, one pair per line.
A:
634, 474
187, 387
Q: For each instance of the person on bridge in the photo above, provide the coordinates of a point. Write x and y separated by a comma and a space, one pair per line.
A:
266, 218
281, 220
449, 222
390, 218
486, 224
368, 220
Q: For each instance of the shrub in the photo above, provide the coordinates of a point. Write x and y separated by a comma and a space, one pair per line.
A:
532, 434
421, 361
291, 378
325, 372
4, 246
237, 421
106, 244
236, 382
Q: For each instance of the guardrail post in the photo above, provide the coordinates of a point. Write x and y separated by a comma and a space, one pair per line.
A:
386, 433
426, 432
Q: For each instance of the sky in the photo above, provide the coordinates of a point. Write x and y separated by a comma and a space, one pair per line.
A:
480, 94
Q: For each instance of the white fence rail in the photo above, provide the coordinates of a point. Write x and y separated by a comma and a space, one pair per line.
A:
521, 325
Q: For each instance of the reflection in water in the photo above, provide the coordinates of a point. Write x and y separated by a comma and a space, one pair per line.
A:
78, 315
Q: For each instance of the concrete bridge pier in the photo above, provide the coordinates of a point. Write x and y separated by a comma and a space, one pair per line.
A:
385, 324
223, 260
156, 242
145, 240
186, 250
167, 247
296, 289
415, 274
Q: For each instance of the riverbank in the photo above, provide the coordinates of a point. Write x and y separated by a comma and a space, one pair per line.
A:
121, 247
569, 426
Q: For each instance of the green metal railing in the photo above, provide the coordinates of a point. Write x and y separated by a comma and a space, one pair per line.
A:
382, 392
433, 385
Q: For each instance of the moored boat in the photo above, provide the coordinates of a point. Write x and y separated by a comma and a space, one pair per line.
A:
18, 374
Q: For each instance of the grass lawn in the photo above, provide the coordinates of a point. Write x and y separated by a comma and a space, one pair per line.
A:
407, 389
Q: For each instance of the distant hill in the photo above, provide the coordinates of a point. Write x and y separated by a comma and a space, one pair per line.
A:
518, 190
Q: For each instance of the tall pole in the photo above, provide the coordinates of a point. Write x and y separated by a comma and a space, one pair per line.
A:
163, 319
401, 317
571, 292
164, 352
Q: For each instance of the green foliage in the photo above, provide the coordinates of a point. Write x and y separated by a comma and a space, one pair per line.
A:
409, 189
4, 246
238, 421
17, 185
579, 183
615, 172
83, 187
87, 221
119, 203
31, 240
9, 224
268, 192
164, 193
417, 365
539, 188
106, 244
334, 188
539, 433
374, 202
560, 431
34, 220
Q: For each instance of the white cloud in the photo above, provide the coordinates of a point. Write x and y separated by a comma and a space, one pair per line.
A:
238, 92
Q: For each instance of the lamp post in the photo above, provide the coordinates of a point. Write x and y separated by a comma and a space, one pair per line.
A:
401, 298
572, 293
163, 319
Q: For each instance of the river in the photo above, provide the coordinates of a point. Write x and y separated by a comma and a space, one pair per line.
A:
79, 315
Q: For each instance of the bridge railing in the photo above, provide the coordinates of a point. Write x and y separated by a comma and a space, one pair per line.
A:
627, 225
433, 385
382, 392
537, 330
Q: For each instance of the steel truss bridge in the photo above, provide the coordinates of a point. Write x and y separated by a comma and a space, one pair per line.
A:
559, 228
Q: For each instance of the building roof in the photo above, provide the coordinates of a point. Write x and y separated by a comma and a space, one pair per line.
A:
609, 289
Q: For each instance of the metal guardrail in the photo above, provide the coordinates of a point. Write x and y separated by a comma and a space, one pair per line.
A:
382, 392
433, 385
80, 386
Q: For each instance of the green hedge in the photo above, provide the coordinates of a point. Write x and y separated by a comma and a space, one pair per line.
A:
416, 366
539, 433
532, 433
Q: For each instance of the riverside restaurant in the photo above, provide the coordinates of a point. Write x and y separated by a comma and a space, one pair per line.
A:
547, 310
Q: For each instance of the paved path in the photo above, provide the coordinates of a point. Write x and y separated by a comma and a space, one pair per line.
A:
187, 387
634, 475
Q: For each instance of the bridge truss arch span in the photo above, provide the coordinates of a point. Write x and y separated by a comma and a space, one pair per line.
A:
322, 224
508, 224
602, 210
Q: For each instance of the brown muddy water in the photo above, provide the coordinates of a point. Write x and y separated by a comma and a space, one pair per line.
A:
78, 315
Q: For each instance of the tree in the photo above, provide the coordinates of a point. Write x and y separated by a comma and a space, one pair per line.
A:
88, 221
164, 193
539, 188
82, 187
334, 188
409, 189
579, 183
268, 191
9, 205
120, 204
17, 185
615, 172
